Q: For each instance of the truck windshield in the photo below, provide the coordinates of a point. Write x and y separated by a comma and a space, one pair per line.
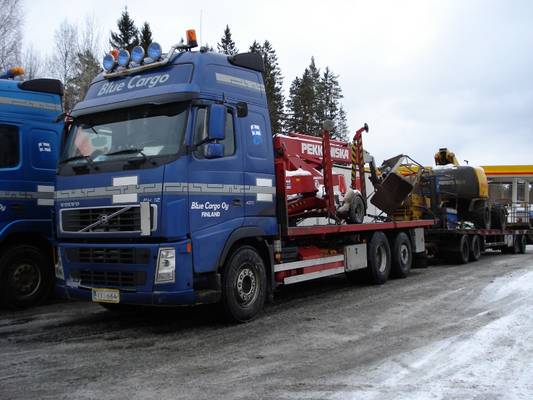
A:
138, 132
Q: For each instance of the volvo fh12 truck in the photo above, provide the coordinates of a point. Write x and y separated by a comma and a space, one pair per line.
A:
171, 190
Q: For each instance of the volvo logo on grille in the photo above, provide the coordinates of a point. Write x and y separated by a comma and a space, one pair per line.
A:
103, 219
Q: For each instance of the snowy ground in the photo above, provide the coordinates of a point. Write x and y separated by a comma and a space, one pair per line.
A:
447, 332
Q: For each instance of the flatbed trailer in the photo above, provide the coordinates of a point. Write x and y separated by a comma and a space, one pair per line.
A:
462, 245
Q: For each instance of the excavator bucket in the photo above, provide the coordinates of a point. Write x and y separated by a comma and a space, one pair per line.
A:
401, 174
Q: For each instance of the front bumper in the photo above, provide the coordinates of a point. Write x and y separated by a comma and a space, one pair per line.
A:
142, 292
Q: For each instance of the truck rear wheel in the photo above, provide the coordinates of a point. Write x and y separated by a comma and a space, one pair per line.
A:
475, 248
402, 256
244, 285
26, 276
379, 258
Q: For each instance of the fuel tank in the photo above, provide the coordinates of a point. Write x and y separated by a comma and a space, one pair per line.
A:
462, 182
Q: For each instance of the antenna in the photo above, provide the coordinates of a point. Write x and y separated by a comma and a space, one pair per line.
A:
201, 15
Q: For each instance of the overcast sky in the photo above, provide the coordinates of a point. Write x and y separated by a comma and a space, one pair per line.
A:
423, 74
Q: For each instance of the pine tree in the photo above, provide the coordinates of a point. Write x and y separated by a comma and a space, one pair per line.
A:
86, 68
302, 104
313, 98
341, 126
227, 45
145, 37
127, 36
273, 84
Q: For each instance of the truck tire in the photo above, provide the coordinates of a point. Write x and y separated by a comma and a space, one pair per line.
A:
244, 285
379, 258
357, 210
475, 248
26, 276
402, 256
498, 217
481, 217
461, 252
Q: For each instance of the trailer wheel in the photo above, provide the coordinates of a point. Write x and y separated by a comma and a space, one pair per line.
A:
462, 253
357, 210
402, 256
26, 276
379, 258
475, 248
522, 241
244, 285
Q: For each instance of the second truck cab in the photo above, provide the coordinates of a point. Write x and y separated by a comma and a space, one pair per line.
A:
30, 138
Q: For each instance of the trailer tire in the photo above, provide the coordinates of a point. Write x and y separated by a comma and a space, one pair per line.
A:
402, 256
475, 248
379, 258
244, 285
461, 254
522, 241
26, 276
357, 212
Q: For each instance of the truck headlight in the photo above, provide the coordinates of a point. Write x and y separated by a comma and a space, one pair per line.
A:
58, 267
166, 265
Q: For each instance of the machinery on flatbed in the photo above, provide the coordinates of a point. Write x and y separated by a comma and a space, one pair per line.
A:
456, 198
171, 191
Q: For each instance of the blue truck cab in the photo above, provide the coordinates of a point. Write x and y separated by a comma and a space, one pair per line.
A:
30, 138
165, 191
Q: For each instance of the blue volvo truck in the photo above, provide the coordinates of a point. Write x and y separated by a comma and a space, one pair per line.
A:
170, 192
30, 138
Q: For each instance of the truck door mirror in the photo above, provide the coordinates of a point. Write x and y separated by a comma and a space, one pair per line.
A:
217, 122
214, 150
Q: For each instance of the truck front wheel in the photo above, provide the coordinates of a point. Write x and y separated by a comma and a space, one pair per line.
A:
244, 285
26, 276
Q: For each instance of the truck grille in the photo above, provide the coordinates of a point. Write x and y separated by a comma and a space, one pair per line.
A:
111, 279
103, 255
127, 219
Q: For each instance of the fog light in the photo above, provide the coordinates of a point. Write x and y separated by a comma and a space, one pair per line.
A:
58, 267
166, 265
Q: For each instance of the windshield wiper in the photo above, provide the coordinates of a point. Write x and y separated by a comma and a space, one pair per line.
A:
127, 151
78, 157
131, 151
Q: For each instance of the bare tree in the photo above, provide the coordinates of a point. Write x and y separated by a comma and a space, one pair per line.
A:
32, 62
63, 59
10, 32
87, 64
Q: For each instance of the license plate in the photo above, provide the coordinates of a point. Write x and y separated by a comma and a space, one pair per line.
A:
106, 295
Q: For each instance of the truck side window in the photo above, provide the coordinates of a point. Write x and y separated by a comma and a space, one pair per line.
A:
9, 146
200, 133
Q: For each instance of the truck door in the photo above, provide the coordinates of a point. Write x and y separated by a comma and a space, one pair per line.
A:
216, 192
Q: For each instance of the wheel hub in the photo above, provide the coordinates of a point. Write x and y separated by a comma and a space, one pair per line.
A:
26, 279
246, 285
381, 257
404, 254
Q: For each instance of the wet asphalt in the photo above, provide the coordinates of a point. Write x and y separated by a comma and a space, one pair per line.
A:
446, 332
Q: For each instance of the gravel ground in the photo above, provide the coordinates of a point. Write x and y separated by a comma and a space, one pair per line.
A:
446, 332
